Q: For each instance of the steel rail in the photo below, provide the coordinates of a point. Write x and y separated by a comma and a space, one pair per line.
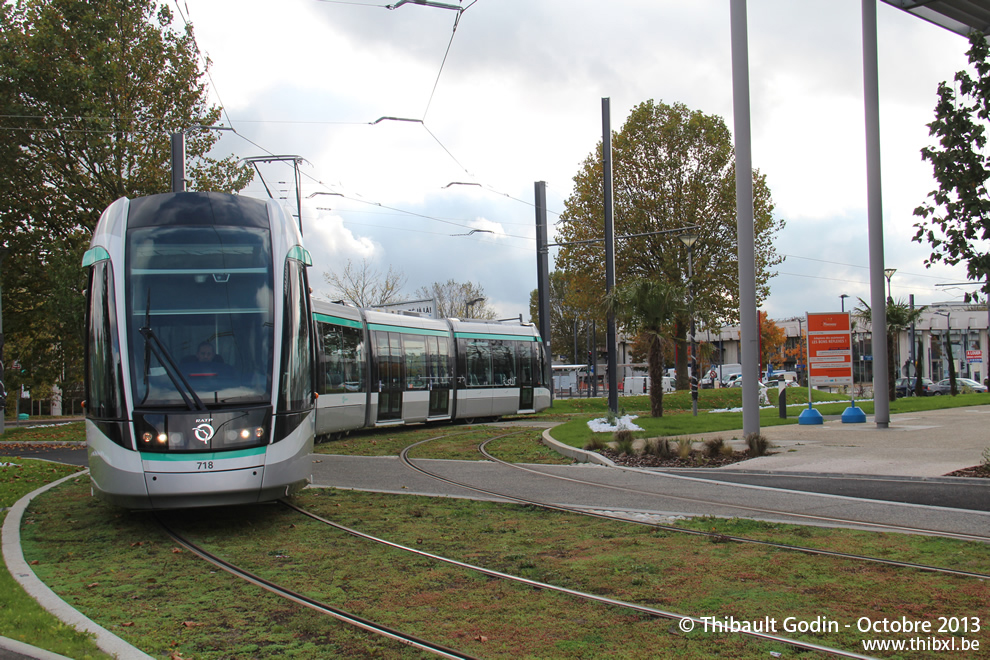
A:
741, 539
583, 595
342, 615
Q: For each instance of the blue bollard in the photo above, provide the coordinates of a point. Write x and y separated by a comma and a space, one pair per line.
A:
810, 416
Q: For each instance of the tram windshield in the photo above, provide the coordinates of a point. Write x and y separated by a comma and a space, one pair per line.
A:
200, 315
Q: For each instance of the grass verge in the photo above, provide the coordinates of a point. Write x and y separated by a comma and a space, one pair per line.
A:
120, 570
21, 618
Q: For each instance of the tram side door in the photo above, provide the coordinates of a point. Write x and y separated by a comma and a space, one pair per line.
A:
527, 373
440, 376
388, 347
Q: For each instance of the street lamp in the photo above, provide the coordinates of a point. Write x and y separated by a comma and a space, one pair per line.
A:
889, 273
689, 239
842, 297
469, 304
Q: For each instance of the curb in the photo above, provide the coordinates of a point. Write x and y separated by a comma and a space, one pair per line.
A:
48, 599
579, 455
29, 651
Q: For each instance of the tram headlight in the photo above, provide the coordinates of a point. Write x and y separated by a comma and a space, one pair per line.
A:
259, 432
146, 437
245, 434
163, 438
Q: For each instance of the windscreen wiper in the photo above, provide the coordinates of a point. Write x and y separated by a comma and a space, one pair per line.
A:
182, 386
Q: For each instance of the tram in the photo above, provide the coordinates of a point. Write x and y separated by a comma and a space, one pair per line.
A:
210, 372
377, 369
199, 353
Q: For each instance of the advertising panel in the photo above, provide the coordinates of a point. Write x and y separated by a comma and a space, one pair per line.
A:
830, 349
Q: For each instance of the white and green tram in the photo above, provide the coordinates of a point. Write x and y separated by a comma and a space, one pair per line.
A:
200, 354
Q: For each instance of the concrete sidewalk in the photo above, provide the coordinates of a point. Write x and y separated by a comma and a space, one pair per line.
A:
920, 444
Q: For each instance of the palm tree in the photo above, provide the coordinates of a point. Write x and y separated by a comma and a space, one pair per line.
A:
648, 307
900, 316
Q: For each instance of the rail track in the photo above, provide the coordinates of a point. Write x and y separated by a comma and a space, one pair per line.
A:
404, 456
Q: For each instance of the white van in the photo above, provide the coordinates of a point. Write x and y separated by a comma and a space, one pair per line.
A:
641, 385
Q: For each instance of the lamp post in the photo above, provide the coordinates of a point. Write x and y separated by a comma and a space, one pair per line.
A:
469, 304
689, 240
889, 273
842, 298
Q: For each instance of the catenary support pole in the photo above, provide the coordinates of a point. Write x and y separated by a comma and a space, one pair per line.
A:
878, 304
178, 143
744, 217
543, 266
611, 365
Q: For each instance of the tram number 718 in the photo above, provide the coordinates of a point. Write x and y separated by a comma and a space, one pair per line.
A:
204, 465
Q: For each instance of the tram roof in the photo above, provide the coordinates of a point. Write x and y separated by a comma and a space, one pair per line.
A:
959, 16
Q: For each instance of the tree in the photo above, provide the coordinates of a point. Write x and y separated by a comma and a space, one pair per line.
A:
649, 307
672, 168
89, 94
900, 316
365, 286
453, 298
772, 340
565, 320
957, 219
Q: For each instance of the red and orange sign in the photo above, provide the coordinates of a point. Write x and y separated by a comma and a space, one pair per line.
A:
830, 349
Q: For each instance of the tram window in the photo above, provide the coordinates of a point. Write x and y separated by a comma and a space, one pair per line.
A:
503, 364
104, 395
525, 351
415, 355
341, 359
296, 382
478, 362
439, 360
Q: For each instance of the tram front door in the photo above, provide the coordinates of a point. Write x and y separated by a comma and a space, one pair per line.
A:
390, 377
438, 349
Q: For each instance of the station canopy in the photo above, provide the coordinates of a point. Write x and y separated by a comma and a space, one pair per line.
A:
959, 16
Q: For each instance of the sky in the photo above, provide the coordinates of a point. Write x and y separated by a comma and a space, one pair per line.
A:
517, 99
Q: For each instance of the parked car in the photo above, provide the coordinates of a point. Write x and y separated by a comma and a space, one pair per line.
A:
962, 384
902, 386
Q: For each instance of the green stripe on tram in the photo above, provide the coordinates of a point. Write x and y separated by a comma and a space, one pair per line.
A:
477, 335
350, 323
407, 330
202, 456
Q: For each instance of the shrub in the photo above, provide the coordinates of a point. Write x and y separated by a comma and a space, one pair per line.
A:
986, 457
660, 447
714, 447
684, 446
595, 444
623, 439
758, 444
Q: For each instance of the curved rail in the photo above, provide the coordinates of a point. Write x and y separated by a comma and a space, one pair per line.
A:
404, 455
342, 615
583, 595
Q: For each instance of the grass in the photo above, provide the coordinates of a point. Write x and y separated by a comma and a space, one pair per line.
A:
126, 575
21, 618
46, 431
118, 567
678, 420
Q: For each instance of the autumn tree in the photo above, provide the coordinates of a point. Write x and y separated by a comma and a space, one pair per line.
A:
672, 168
89, 95
956, 219
453, 297
772, 340
364, 285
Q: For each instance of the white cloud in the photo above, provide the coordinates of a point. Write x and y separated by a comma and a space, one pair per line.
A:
519, 100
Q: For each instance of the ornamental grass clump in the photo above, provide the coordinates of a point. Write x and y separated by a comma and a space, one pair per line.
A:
714, 447
623, 439
660, 447
758, 444
684, 446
